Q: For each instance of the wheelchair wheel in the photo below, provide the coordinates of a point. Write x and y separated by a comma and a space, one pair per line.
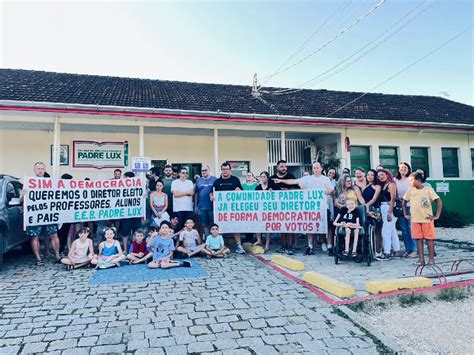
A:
370, 244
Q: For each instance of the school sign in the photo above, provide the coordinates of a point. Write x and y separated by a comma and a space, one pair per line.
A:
286, 211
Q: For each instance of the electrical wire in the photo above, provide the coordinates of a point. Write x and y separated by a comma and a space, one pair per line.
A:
332, 70
332, 40
403, 69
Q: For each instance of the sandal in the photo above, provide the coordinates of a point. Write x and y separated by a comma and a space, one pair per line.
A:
39, 262
354, 254
345, 253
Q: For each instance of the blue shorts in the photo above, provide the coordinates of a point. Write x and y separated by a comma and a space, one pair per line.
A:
36, 231
206, 218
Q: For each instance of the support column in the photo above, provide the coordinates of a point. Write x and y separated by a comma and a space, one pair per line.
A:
141, 141
216, 152
56, 147
283, 145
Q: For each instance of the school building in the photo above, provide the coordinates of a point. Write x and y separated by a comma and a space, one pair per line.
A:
88, 125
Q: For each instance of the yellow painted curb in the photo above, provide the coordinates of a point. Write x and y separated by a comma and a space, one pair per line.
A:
326, 283
253, 249
397, 284
287, 262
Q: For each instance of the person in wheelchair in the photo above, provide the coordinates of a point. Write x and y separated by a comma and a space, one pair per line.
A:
349, 219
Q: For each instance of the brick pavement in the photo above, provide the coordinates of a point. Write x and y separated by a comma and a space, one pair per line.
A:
243, 307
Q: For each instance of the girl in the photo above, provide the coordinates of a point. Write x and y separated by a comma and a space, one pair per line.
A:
189, 240
348, 218
371, 195
264, 177
163, 248
387, 199
110, 251
139, 251
159, 205
403, 185
250, 181
81, 251
331, 173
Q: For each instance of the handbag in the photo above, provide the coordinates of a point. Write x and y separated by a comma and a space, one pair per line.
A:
397, 207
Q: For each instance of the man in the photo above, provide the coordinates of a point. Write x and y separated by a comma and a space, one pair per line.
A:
167, 181
228, 182
117, 174
315, 181
203, 198
283, 174
50, 230
175, 173
183, 192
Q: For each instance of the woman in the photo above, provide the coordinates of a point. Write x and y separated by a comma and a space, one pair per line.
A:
264, 177
159, 205
387, 199
403, 184
331, 173
345, 189
250, 182
371, 195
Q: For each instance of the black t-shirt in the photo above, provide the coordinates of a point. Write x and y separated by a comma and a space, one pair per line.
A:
229, 184
152, 184
281, 186
260, 188
349, 217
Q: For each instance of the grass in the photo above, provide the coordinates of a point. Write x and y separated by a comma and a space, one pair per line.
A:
412, 299
452, 294
357, 307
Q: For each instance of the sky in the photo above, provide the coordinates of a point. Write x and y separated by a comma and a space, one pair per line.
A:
229, 41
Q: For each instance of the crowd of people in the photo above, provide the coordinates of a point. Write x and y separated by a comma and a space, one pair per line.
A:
180, 211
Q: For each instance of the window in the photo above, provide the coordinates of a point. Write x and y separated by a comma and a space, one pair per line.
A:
450, 162
388, 157
360, 157
419, 159
472, 161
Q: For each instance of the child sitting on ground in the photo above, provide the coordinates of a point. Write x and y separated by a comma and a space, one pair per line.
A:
163, 247
139, 251
110, 251
215, 247
152, 233
81, 251
348, 218
190, 242
421, 215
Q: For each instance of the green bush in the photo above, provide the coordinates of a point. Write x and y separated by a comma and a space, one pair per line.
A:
412, 299
450, 219
452, 294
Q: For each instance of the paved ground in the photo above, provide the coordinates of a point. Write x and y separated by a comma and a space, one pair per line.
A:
242, 307
358, 274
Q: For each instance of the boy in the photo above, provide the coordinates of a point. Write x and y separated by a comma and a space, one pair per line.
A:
422, 219
139, 250
190, 242
214, 246
349, 217
163, 248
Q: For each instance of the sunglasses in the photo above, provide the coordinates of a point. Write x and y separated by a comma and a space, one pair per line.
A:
184, 172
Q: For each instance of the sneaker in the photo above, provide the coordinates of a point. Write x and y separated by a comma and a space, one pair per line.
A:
308, 251
239, 249
324, 247
412, 255
185, 264
282, 250
378, 256
289, 251
385, 257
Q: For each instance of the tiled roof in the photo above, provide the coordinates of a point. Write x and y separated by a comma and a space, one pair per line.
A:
27, 85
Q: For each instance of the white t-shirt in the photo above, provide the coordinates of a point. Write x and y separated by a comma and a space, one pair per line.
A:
184, 203
312, 182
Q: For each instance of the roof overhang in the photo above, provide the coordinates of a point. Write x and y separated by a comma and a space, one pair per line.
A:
232, 117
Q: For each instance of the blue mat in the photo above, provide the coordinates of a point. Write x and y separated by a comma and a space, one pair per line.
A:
141, 273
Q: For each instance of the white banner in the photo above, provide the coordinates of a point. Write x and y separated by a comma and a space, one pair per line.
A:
285, 211
49, 201
99, 155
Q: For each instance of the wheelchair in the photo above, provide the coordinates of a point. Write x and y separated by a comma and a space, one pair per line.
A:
365, 247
